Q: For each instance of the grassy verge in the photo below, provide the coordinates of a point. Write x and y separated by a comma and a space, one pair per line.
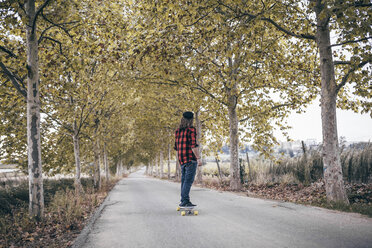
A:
65, 213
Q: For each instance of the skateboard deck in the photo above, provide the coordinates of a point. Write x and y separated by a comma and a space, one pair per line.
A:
187, 211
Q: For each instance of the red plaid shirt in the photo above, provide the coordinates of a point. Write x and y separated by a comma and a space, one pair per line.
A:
185, 139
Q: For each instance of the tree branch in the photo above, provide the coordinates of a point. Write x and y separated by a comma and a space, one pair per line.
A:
351, 41
280, 28
59, 25
57, 121
341, 62
11, 54
4, 83
200, 18
205, 91
272, 108
56, 41
360, 4
345, 78
37, 14
13, 79
81, 117
90, 111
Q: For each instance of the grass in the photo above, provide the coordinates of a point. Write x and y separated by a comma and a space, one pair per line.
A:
65, 213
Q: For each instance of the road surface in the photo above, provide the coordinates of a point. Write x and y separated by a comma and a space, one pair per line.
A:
141, 212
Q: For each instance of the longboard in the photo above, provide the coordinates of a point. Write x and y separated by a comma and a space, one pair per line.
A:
187, 211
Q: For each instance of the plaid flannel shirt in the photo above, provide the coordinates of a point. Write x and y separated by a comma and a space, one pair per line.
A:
185, 139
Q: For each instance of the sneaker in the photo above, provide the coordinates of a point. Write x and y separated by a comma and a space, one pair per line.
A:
189, 204
182, 204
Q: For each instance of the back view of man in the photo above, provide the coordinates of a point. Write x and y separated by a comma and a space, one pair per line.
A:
188, 156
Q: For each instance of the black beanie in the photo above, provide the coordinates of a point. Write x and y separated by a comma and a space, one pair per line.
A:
188, 115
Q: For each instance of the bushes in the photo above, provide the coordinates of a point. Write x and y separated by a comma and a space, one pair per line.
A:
14, 194
13, 197
356, 165
65, 212
68, 207
306, 169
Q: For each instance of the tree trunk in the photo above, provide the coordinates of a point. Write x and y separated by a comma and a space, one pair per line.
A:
95, 181
234, 142
178, 169
75, 138
161, 155
106, 162
147, 169
241, 171
98, 169
126, 169
249, 168
121, 167
169, 158
117, 168
307, 176
199, 171
334, 183
219, 170
157, 166
36, 190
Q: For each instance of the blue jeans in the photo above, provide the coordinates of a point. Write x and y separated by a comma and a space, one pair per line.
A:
188, 171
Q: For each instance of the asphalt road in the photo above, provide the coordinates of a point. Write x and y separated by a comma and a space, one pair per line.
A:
141, 212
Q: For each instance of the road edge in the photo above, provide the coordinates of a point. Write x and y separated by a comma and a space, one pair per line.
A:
83, 236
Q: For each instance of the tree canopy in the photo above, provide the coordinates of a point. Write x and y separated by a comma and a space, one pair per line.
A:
117, 75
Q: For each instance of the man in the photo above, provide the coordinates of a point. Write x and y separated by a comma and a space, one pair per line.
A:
188, 156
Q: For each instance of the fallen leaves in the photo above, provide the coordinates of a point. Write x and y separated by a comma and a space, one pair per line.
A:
18, 230
313, 194
360, 195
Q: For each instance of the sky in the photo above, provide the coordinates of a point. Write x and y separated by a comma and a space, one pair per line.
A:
354, 127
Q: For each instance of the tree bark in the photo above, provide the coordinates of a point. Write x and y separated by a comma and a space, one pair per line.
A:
169, 158
107, 173
249, 168
307, 176
199, 171
117, 168
219, 170
234, 141
178, 169
98, 168
161, 158
75, 138
36, 190
334, 183
121, 167
95, 183
241, 171
157, 165
126, 169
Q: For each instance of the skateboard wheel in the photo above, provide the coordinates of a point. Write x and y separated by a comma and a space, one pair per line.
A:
183, 213
196, 212
178, 208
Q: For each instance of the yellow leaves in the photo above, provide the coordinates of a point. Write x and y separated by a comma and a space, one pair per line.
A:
146, 59
110, 73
